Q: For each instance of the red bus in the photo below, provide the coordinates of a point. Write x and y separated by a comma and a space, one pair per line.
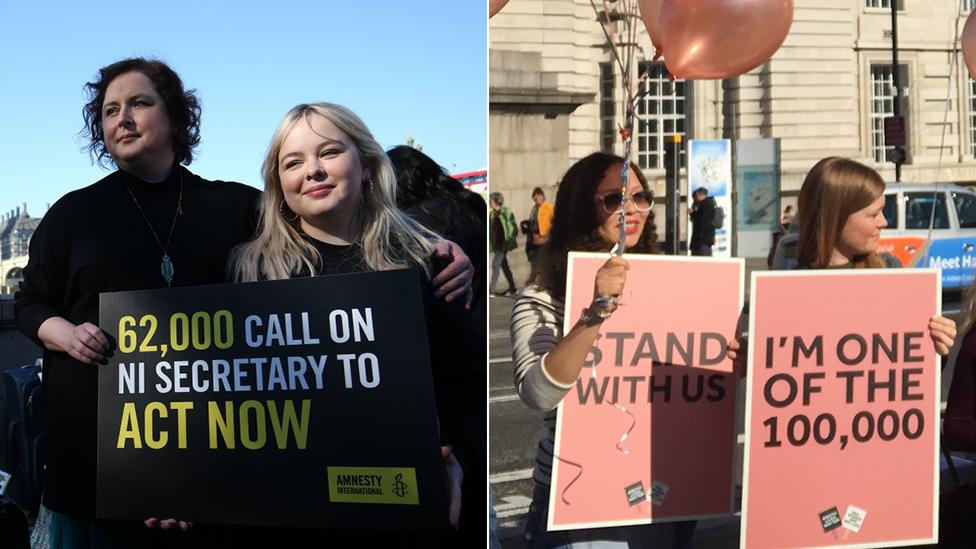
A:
476, 181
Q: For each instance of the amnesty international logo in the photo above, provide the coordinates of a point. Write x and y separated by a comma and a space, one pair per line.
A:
400, 487
391, 485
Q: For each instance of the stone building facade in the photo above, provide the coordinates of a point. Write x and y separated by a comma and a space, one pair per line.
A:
825, 92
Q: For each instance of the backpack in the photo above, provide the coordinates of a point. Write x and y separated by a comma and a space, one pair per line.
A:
22, 427
719, 218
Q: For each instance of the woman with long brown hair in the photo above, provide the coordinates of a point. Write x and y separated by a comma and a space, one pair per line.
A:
841, 214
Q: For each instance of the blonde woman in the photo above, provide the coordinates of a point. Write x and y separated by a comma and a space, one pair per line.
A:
329, 208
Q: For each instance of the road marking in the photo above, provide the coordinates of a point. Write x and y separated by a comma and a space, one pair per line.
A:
510, 476
500, 360
512, 506
503, 398
503, 334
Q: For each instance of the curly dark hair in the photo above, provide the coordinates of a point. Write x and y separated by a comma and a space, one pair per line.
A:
576, 223
182, 107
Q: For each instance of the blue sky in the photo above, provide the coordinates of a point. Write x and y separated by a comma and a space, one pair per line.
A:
407, 68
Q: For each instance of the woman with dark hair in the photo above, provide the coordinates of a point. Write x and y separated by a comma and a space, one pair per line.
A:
425, 192
138, 228
547, 361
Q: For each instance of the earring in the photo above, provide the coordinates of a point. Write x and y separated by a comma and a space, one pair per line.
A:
281, 210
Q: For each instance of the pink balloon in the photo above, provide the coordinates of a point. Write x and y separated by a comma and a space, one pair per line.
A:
969, 44
711, 39
650, 11
494, 6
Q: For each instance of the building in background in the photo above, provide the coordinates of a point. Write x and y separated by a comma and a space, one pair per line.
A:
555, 95
16, 229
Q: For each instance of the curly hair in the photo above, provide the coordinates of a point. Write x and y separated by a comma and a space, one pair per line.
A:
576, 223
182, 107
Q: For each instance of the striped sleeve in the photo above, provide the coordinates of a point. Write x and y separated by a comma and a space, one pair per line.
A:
536, 328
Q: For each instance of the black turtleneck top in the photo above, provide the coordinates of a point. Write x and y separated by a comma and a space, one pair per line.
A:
95, 240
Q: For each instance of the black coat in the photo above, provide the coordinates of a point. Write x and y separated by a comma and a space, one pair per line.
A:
702, 227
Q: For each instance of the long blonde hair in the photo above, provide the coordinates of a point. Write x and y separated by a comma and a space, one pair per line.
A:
834, 189
389, 239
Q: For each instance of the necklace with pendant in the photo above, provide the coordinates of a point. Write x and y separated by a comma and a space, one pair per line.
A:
166, 265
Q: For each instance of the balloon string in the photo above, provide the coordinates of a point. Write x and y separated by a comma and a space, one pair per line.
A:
562, 495
619, 444
633, 418
633, 423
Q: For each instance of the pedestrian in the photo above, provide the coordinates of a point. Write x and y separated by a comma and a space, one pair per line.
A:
840, 215
138, 228
503, 235
356, 228
548, 361
702, 214
539, 225
786, 220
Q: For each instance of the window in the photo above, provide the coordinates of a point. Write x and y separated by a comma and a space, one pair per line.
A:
883, 106
887, 4
972, 114
660, 114
965, 210
891, 210
969, 5
918, 210
608, 124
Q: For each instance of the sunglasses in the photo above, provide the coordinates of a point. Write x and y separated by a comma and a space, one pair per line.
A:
612, 202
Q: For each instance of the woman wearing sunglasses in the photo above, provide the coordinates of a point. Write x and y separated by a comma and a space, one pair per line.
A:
547, 361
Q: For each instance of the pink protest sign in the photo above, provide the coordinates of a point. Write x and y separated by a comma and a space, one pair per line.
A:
648, 434
842, 410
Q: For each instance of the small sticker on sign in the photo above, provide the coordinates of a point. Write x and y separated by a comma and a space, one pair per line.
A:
659, 491
4, 480
635, 493
854, 518
830, 519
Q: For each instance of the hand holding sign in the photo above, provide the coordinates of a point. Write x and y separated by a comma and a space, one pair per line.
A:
737, 353
942, 330
85, 342
455, 478
167, 524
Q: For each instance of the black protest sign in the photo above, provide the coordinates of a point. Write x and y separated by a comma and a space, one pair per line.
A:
304, 402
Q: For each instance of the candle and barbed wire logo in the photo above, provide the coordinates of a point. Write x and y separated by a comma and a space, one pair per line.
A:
400, 488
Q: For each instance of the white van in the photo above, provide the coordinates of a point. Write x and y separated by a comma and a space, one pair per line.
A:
909, 211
